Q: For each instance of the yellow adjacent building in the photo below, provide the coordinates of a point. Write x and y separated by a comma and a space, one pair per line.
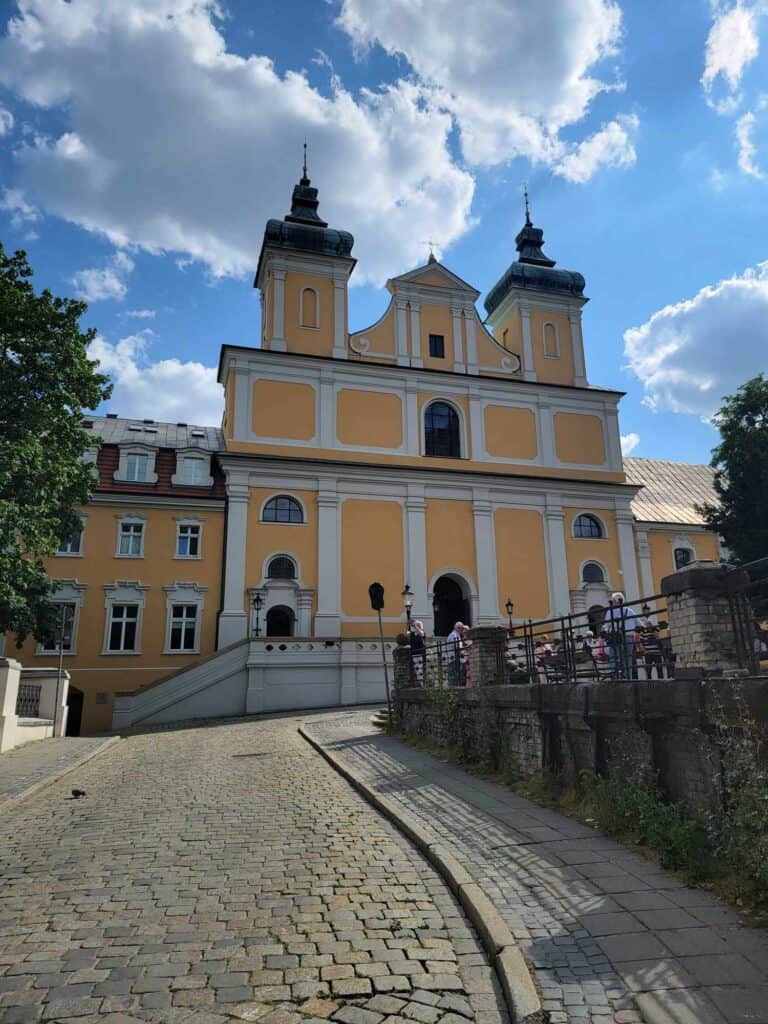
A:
467, 457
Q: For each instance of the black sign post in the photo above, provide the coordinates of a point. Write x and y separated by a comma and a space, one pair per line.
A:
376, 594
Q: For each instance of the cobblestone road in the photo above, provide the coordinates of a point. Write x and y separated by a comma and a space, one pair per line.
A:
226, 872
31, 764
612, 939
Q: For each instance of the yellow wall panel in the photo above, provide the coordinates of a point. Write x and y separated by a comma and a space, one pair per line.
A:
579, 439
604, 550
283, 409
371, 550
450, 537
380, 337
315, 340
552, 371
437, 320
521, 562
369, 418
510, 433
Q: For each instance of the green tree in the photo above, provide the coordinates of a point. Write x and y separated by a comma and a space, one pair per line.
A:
741, 472
46, 382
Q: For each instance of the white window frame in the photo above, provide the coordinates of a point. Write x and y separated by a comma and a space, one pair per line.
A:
182, 454
309, 327
685, 543
135, 520
186, 522
66, 592
75, 554
283, 494
601, 521
544, 326
183, 593
123, 592
121, 473
464, 452
606, 580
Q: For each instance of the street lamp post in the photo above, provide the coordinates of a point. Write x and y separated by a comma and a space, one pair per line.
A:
510, 608
258, 601
407, 597
62, 619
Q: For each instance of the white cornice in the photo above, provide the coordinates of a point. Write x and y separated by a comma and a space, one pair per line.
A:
119, 500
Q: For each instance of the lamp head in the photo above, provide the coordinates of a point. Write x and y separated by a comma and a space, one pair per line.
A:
510, 607
407, 596
258, 601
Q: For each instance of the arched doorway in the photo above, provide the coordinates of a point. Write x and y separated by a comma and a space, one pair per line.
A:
279, 621
450, 605
74, 710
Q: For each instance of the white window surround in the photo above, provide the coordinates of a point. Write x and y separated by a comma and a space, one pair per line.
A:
281, 554
67, 592
135, 520
121, 473
182, 454
79, 552
600, 520
601, 565
316, 325
463, 445
117, 593
183, 593
686, 544
189, 521
284, 494
556, 353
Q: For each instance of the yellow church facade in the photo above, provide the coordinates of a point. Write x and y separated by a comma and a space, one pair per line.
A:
469, 458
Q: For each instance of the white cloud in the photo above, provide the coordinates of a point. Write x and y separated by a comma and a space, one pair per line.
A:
629, 442
165, 390
6, 121
141, 314
611, 146
732, 45
96, 283
690, 354
747, 151
512, 74
220, 139
21, 211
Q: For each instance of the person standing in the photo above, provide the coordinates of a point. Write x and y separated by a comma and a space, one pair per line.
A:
619, 624
418, 643
453, 640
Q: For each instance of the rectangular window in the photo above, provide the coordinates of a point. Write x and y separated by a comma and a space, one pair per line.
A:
67, 632
123, 626
194, 470
131, 539
188, 541
72, 545
183, 627
136, 467
437, 346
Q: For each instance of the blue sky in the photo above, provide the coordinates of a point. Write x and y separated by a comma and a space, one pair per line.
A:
143, 143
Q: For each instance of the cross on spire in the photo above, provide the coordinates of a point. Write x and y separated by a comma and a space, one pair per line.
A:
431, 244
527, 211
304, 167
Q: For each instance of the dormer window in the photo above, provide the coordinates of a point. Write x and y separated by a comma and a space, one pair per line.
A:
193, 469
137, 468
137, 464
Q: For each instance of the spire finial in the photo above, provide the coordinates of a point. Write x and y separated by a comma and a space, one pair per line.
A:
304, 177
431, 244
527, 211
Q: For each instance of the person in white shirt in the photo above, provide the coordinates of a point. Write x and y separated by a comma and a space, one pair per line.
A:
619, 624
453, 640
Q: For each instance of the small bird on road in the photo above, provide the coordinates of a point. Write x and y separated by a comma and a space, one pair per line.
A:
77, 793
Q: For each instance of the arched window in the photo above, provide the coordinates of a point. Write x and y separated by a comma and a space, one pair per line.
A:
442, 434
586, 525
279, 621
592, 573
309, 308
551, 347
281, 568
683, 557
282, 509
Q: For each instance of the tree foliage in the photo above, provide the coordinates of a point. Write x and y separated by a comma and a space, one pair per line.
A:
46, 382
741, 472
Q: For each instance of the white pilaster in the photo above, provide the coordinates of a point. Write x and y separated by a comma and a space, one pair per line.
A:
327, 410
277, 342
416, 359
339, 318
625, 528
557, 564
416, 555
613, 439
241, 415
328, 614
546, 423
476, 443
412, 425
529, 373
644, 557
469, 328
233, 619
577, 345
401, 333
458, 343
485, 552
304, 612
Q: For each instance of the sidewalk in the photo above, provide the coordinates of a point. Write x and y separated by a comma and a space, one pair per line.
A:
29, 768
612, 939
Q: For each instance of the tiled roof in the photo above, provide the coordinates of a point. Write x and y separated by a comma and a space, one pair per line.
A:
671, 490
159, 435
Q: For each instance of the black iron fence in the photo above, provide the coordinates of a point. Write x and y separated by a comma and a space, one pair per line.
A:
748, 602
28, 700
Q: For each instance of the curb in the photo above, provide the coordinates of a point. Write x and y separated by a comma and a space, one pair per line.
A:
12, 801
519, 990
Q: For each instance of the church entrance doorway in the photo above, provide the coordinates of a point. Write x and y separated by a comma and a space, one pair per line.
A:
450, 605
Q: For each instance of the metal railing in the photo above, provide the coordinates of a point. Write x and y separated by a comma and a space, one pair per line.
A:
28, 700
748, 601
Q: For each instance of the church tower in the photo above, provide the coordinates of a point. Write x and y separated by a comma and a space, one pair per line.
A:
303, 271
535, 310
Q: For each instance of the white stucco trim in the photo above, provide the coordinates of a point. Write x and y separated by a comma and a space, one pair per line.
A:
182, 454
136, 448
189, 521
589, 512
550, 355
283, 494
123, 592
603, 567
300, 312
131, 517
183, 593
463, 434
684, 542
66, 592
281, 554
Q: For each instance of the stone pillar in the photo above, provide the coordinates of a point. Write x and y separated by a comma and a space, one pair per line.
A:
401, 657
487, 655
304, 612
416, 555
328, 614
487, 583
701, 624
50, 708
557, 565
10, 673
233, 618
625, 528
529, 373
